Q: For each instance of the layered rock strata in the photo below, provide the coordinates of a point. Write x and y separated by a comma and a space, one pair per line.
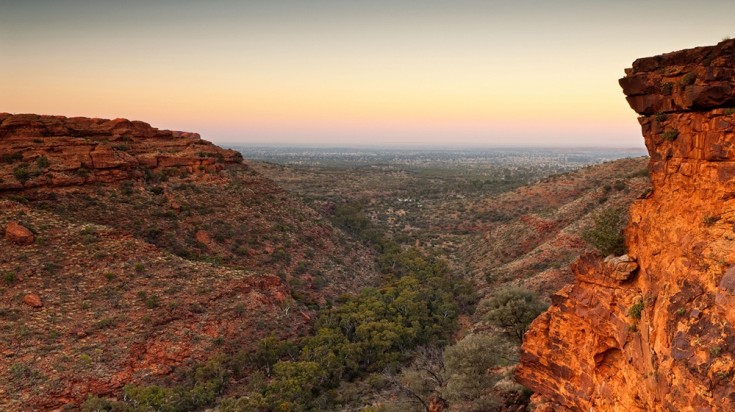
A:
661, 338
37, 151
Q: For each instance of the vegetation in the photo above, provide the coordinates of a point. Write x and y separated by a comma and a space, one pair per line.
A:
21, 173
42, 162
670, 134
667, 88
710, 220
606, 234
370, 332
513, 310
688, 79
467, 364
636, 310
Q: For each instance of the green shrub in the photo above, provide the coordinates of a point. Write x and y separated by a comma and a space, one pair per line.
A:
466, 369
670, 135
667, 88
42, 162
606, 235
513, 310
9, 278
710, 220
688, 79
12, 157
636, 310
21, 173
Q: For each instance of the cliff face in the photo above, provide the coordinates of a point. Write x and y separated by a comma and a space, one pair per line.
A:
40, 151
590, 350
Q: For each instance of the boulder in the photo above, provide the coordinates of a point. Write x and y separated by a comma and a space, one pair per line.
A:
33, 300
18, 234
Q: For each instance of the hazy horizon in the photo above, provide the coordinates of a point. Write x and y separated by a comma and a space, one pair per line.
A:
483, 73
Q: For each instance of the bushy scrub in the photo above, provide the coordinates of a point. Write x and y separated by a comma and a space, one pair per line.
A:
606, 234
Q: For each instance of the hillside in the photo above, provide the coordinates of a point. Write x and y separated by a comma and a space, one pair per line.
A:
130, 253
657, 336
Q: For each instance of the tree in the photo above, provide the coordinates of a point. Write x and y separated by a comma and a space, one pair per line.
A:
424, 378
295, 384
513, 310
468, 369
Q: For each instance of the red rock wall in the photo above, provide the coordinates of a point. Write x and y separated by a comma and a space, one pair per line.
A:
81, 150
587, 352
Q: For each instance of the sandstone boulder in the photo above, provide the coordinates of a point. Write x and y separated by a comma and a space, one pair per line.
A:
18, 234
33, 300
621, 268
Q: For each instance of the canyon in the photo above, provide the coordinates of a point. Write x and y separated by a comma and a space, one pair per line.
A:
656, 337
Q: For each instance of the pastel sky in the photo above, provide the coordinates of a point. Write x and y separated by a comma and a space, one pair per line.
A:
431, 72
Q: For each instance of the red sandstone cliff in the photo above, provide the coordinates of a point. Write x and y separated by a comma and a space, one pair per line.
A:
79, 150
587, 351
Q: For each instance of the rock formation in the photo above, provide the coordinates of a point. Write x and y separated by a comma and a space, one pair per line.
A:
18, 234
662, 338
38, 151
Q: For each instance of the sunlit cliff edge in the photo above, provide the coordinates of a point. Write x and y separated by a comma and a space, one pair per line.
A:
658, 338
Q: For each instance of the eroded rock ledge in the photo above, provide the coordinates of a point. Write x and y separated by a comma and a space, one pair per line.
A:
37, 151
660, 340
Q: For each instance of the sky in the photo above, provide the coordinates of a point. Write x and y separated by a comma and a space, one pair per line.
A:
349, 72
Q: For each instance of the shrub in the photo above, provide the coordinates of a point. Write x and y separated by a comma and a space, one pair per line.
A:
667, 88
670, 135
152, 301
9, 278
21, 173
606, 235
12, 157
688, 79
466, 369
636, 310
710, 220
513, 310
42, 162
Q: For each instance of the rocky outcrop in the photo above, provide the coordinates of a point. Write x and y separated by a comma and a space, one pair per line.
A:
661, 338
38, 151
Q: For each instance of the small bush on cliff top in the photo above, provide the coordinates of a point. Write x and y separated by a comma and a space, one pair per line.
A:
607, 233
